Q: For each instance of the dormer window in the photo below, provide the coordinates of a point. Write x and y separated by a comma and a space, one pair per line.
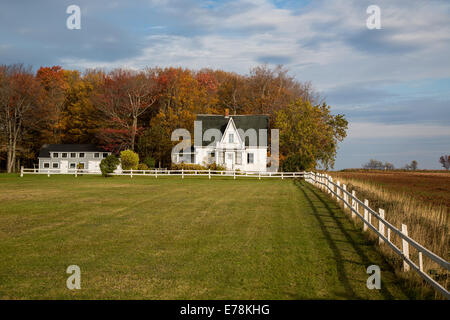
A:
231, 138
55, 154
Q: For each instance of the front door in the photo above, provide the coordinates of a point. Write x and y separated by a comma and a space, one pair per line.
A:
63, 166
229, 160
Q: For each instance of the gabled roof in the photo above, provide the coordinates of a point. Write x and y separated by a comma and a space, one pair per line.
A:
231, 126
46, 149
243, 122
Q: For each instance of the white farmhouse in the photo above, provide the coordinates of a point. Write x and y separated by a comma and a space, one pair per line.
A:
237, 142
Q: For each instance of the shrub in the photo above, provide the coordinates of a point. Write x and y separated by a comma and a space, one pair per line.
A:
187, 166
109, 164
129, 159
215, 166
142, 166
295, 163
150, 162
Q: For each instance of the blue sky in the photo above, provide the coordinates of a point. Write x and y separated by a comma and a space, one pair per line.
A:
393, 84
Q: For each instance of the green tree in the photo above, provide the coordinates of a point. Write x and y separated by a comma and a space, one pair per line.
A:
109, 164
311, 132
129, 159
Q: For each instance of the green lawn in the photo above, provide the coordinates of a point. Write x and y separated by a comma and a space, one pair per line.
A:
169, 238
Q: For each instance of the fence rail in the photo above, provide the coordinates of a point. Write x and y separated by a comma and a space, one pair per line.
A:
164, 172
350, 201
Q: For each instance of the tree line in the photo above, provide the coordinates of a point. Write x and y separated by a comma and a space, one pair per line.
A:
138, 110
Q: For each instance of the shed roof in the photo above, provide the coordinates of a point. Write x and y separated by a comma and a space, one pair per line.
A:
46, 149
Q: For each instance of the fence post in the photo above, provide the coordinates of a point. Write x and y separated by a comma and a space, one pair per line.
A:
156, 174
328, 184
332, 188
344, 187
209, 173
234, 174
420, 261
76, 172
381, 226
405, 248
259, 175
366, 214
338, 191
182, 173
131, 173
21, 171
354, 204
281, 175
48, 173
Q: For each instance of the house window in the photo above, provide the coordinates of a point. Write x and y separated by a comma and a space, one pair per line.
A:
64, 155
96, 155
55, 165
105, 155
73, 155
231, 138
81, 165
55, 154
250, 158
213, 154
81, 155
72, 165
46, 165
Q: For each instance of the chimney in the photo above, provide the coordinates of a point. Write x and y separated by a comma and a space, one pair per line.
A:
227, 112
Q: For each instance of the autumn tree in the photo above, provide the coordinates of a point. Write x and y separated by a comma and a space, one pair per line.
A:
123, 97
311, 132
81, 119
53, 82
19, 92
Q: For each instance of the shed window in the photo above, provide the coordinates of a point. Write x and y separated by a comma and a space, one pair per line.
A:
105, 155
73, 155
55, 165
73, 165
81, 155
46, 165
64, 155
55, 154
96, 155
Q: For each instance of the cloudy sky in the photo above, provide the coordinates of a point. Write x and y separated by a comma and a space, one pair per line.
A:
393, 83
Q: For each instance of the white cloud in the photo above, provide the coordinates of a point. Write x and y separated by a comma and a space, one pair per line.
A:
316, 39
371, 130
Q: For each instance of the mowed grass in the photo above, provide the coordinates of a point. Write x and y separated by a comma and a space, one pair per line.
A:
167, 238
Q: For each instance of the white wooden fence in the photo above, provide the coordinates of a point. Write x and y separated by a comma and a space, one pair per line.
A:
351, 202
158, 173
